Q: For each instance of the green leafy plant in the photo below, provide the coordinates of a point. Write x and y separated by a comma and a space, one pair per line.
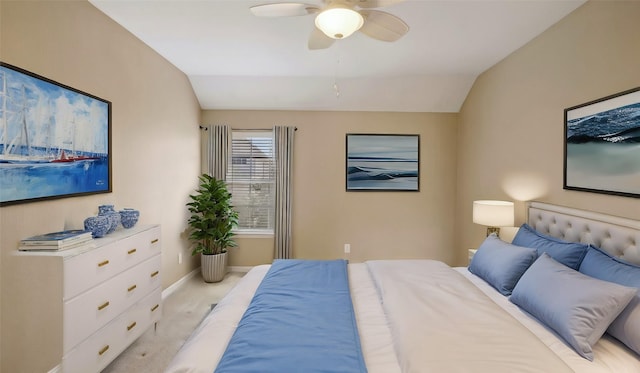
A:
212, 217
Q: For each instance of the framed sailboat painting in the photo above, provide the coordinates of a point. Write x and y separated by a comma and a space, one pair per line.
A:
55, 141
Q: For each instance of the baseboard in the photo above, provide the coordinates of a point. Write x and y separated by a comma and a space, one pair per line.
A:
56, 369
176, 285
244, 269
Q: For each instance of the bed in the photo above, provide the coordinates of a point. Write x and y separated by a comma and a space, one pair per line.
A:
559, 312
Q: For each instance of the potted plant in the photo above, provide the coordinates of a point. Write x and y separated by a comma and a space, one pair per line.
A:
211, 226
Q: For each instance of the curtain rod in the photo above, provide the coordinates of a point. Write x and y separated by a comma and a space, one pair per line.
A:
243, 129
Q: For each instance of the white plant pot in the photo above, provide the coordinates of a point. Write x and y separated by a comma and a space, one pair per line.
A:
214, 267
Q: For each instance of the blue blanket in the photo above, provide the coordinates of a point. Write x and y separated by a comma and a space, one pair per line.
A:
301, 319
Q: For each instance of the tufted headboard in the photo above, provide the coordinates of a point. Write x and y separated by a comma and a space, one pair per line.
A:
616, 235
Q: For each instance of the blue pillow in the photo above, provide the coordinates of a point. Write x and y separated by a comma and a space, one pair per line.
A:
577, 307
567, 253
501, 264
598, 264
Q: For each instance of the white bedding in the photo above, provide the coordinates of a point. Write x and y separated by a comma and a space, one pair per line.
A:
442, 323
206, 345
610, 355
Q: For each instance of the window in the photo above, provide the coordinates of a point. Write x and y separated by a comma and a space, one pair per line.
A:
251, 180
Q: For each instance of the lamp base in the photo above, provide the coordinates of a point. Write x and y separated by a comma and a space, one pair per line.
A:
495, 230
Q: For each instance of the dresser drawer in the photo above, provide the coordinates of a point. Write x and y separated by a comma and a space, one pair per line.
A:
152, 246
140, 247
111, 257
94, 308
101, 348
152, 305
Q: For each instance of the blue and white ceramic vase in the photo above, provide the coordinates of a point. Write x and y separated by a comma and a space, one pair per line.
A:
129, 217
112, 214
98, 225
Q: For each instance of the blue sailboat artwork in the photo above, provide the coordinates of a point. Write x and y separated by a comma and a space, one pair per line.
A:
54, 140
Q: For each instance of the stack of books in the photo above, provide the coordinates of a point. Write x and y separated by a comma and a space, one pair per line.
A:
56, 241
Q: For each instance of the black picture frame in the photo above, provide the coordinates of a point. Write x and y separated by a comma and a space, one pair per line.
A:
55, 140
382, 162
602, 145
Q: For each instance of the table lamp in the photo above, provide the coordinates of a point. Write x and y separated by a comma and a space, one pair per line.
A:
493, 214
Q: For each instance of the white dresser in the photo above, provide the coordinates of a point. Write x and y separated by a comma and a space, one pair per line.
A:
108, 294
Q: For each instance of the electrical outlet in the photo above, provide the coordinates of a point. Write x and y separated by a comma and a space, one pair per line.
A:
179, 258
347, 248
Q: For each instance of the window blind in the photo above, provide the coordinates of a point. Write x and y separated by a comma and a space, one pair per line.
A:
251, 179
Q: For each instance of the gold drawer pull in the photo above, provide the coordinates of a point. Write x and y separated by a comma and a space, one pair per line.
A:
102, 264
103, 306
154, 241
155, 307
131, 326
132, 288
103, 350
154, 274
131, 251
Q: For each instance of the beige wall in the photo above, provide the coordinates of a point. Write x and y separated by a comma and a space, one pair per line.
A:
376, 224
155, 139
512, 122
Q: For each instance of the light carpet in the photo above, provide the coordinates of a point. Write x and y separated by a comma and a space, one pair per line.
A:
182, 312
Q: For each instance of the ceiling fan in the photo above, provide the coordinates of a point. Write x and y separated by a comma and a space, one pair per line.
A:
337, 19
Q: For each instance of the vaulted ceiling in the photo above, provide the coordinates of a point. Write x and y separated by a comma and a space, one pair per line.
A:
236, 60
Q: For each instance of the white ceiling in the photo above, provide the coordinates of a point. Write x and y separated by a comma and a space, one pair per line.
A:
236, 60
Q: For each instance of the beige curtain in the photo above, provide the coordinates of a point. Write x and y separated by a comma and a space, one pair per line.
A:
283, 150
217, 150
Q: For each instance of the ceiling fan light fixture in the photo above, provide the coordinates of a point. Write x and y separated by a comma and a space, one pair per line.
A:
339, 22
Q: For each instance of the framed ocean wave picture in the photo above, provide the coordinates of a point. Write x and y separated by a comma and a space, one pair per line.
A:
380, 162
55, 141
602, 145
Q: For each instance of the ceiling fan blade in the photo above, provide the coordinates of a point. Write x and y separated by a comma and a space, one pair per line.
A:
283, 10
318, 40
369, 4
383, 26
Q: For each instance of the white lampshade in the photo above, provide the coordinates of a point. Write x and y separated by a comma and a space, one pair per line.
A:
493, 213
339, 23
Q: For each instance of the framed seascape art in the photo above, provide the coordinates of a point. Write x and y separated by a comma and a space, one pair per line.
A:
602, 145
55, 141
383, 162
